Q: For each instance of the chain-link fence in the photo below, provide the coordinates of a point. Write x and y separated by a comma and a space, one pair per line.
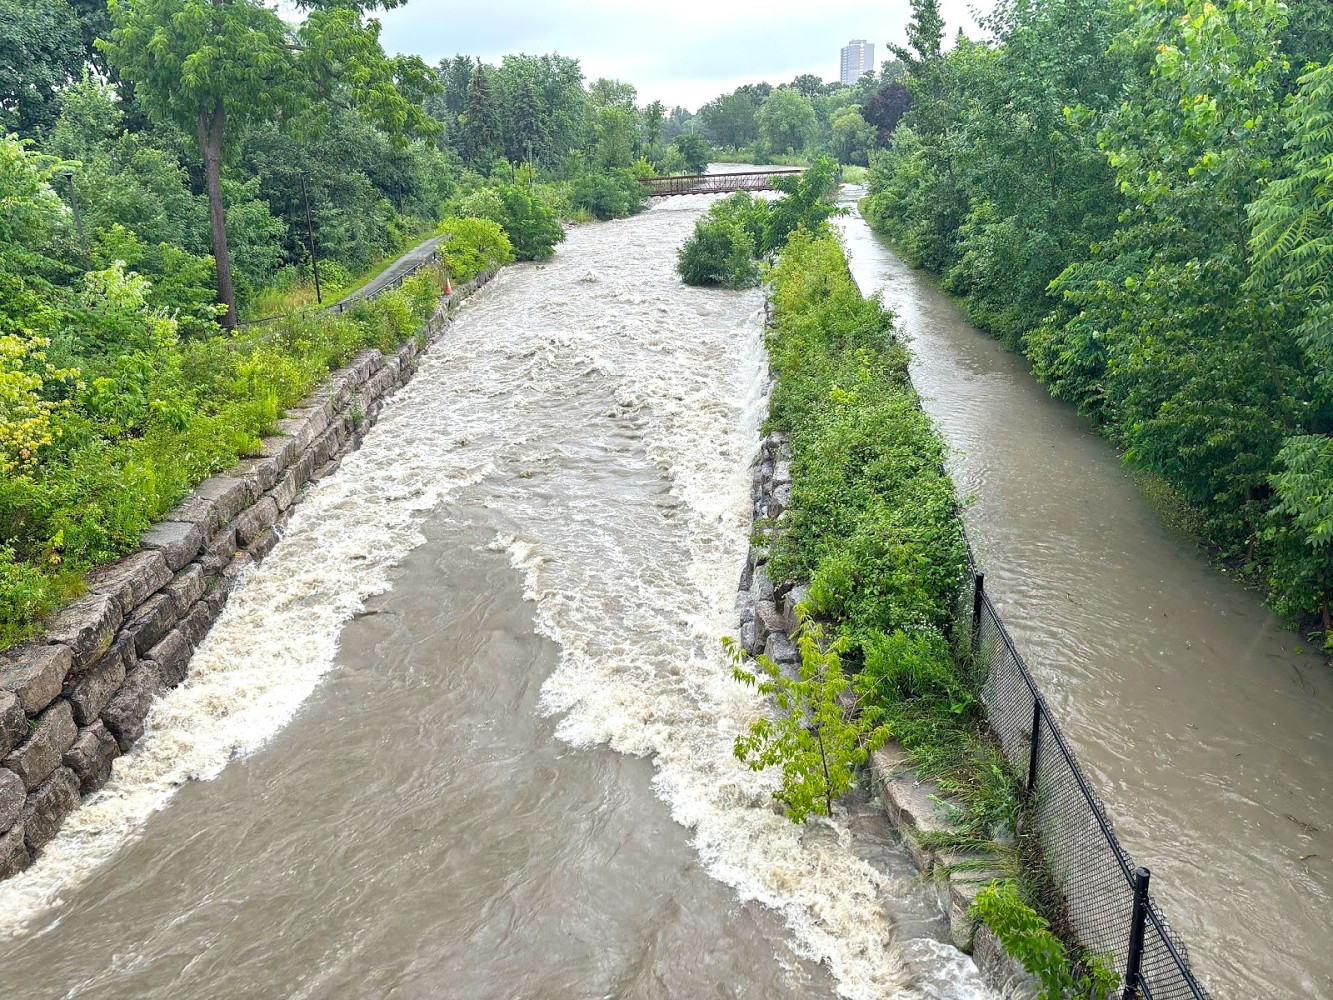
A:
1103, 898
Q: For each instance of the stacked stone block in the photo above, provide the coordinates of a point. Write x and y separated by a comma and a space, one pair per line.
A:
76, 699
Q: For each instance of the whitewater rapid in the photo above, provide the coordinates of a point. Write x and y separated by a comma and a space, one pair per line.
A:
603, 417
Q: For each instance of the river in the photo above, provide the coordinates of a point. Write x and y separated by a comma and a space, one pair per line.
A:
467, 731
1207, 729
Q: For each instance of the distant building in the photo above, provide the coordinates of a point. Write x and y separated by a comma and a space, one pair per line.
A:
858, 59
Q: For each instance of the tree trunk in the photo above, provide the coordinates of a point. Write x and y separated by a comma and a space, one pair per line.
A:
210, 133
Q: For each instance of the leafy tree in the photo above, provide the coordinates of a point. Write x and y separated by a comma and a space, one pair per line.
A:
694, 150
615, 129
209, 66
529, 222
852, 135
731, 119
40, 52
925, 36
606, 93
786, 121
808, 85
886, 109
816, 741
472, 246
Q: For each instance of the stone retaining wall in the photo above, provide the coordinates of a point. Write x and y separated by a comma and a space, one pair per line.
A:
75, 700
767, 611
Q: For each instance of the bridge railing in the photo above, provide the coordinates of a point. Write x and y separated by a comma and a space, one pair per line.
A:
749, 180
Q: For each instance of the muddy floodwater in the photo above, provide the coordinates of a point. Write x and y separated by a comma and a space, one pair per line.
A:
467, 731
1207, 728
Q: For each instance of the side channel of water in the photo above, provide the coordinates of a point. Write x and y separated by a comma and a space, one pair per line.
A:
1208, 731
482, 711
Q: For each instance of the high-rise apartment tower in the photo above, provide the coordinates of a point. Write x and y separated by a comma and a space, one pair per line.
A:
858, 59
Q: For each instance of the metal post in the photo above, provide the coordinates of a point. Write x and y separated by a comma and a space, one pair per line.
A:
78, 222
979, 590
1035, 752
310, 228
1133, 975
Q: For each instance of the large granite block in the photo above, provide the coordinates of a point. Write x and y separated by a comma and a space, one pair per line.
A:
253, 522
35, 758
35, 674
281, 447
47, 807
229, 496
187, 588
131, 580
172, 658
199, 510
178, 541
86, 627
125, 714
152, 622
13, 794
89, 692
14, 856
13, 722
91, 757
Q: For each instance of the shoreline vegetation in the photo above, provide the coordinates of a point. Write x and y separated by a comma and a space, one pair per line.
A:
124, 377
870, 547
1156, 247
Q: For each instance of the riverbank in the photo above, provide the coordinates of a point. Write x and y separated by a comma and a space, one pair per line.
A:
1124, 623
72, 704
858, 528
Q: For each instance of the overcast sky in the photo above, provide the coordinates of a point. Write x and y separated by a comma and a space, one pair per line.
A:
676, 51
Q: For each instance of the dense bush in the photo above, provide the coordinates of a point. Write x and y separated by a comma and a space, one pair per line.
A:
609, 194
529, 222
472, 246
741, 227
720, 252
141, 416
872, 522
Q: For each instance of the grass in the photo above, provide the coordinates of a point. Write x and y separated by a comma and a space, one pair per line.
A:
119, 470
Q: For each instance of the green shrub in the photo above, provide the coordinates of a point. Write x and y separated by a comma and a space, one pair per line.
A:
529, 222
816, 739
148, 416
609, 194
26, 594
720, 252
472, 246
1027, 936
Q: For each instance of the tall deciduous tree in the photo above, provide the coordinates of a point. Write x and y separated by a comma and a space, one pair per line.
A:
215, 66
786, 120
40, 52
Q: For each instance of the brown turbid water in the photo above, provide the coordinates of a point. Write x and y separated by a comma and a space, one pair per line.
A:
1205, 726
467, 731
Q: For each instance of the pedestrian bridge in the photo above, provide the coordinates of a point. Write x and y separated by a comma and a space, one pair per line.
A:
750, 180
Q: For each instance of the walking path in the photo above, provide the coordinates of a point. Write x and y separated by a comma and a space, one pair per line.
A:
391, 275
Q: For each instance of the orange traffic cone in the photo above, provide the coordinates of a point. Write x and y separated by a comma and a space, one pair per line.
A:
448, 287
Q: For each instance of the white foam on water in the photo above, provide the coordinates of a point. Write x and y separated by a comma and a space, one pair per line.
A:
607, 415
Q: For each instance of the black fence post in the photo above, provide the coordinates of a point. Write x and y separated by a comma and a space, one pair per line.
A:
978, 592
1034, 752
1133, 975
